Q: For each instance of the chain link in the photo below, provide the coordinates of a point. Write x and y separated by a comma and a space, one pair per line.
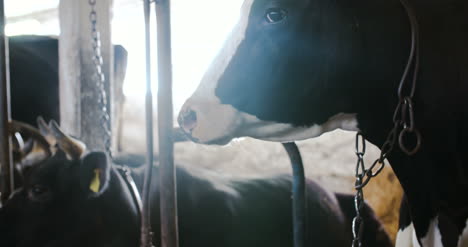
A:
358, 223
100, 78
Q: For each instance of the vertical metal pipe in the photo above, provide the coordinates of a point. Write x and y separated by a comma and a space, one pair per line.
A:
299, 194
146, 238
7, 179
167, 175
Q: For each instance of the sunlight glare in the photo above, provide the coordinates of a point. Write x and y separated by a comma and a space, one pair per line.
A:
198, 31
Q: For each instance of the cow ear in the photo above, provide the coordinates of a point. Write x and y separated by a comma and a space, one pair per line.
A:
94, 173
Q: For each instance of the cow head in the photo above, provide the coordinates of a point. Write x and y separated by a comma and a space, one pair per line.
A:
66, 198
294, 69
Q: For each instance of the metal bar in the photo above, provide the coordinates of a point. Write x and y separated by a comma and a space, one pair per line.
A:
299, 194
167, 174
7, 179
146, 237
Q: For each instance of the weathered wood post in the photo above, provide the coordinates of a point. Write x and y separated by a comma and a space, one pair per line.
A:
168, 188
79, 96
6, 171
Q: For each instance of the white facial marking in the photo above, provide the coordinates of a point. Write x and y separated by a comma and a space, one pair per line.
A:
206, 90
433, 237
204, 101
407, 237
463, 240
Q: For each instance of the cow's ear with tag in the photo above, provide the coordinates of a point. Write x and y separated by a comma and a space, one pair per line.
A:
94, 173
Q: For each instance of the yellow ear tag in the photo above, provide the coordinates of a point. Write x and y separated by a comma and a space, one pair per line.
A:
96, 182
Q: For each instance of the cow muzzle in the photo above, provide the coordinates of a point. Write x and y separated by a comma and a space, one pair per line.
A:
209, 122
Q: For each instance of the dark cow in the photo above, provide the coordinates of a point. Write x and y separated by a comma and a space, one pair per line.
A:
34, 79
34, 73
85, 201
294, 69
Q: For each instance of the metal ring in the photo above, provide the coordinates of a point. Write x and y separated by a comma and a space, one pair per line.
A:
403, 147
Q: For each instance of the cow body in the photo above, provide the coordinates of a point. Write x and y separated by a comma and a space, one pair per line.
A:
34, 77
295, 69
55, 207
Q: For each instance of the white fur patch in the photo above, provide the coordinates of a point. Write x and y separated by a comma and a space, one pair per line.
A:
433, 237
407, 237
279, 132
463, 241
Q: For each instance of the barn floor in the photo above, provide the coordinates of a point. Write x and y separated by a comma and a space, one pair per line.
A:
329, 160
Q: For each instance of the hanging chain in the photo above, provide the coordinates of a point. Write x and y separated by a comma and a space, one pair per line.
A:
364, 175
358, 223
403, 125
100, 78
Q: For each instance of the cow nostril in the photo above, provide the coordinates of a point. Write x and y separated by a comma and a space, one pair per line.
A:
188, 120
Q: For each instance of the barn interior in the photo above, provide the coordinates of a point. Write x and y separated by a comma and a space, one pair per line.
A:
199, 29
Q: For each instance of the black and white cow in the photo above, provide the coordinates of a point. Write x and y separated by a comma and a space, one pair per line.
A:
295, 69
85, 201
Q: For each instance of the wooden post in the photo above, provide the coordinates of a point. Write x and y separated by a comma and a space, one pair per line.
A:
6, 172
79, 109
167, 175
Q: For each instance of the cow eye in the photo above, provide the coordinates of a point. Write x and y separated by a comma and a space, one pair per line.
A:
274, 15
38, 192
38, 189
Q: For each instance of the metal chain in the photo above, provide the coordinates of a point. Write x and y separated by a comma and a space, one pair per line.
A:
403, 124
100, 78
358, 223
364, 175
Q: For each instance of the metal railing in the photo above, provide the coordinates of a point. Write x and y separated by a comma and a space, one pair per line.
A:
167, 174
6, 172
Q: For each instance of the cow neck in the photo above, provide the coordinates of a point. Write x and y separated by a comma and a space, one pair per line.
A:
404, 162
